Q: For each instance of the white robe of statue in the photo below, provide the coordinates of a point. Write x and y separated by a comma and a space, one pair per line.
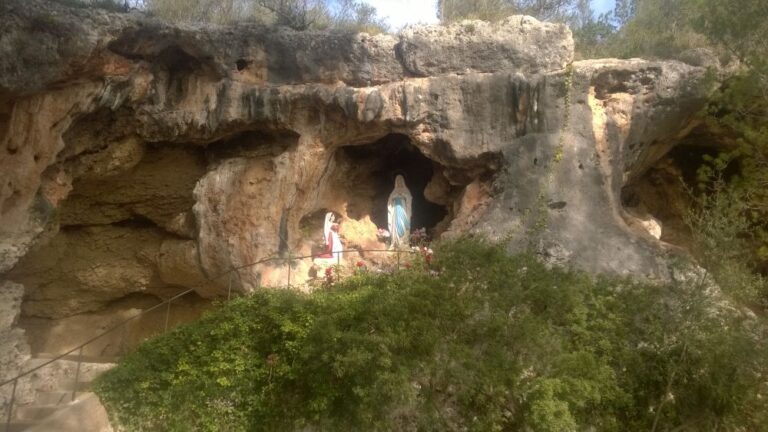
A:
399, 214
333, 246
336, 246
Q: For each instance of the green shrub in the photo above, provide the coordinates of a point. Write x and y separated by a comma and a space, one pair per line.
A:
495, 342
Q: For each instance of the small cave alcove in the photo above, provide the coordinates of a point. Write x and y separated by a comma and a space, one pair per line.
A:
380, 162
664, 190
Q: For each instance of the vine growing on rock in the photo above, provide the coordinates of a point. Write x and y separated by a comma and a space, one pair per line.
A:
541, 216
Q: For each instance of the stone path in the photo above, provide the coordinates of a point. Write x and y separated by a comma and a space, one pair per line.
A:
54, 388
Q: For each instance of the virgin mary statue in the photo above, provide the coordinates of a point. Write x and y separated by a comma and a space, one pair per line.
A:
399, 213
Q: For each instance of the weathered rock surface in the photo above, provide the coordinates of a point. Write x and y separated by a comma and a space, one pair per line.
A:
519, 44
83, 269
14, 350
142, 157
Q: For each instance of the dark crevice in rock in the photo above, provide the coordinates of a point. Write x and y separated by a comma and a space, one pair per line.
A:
241, 64
253, 143
135, 299
135, 222
6, 108
93, 132
525, 106
165, 50
283, 245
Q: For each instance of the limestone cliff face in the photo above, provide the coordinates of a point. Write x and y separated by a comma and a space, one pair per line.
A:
138, 157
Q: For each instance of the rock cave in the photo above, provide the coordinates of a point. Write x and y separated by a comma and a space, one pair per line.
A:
141, 160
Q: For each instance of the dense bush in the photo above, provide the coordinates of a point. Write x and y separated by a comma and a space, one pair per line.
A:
493, 343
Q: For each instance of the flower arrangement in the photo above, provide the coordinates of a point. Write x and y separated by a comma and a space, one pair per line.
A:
383, 235
360, 267
329, 276
419, 237
426, 252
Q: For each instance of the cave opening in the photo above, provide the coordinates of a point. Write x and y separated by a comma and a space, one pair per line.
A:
666, 190
384, 159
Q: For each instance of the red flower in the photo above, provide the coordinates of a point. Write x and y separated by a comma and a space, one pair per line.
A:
360, 263
408, 265
328, 271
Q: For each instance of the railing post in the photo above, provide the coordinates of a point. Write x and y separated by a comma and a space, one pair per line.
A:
398, 259
167, 315
10, 406
289, 270
77, 373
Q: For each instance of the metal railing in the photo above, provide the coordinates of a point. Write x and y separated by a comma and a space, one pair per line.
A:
284, 260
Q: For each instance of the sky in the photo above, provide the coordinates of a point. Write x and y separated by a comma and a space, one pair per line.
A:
399, 13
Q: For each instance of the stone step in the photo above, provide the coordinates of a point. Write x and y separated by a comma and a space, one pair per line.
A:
69, 385
35, 412
54, 397
17, 426
60, 374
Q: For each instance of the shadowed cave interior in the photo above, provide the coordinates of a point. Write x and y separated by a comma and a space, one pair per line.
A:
664, 190
386, 158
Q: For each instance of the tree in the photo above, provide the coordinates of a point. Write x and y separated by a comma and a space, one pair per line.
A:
493, 10
347, 15
548, 10
296, 14
449, 11
656, 29
624, 11
213, 11
741, 109
593, 36
357, 16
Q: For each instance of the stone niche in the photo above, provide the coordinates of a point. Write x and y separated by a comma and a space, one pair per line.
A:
121, 239
366, 177
658, 200
355, 185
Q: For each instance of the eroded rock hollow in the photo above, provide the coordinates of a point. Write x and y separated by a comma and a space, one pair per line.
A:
138, 158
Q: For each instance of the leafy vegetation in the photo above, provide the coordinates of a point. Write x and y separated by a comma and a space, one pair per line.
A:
493, 343
341, 15
740, 110
495, 10
110, 5
345, 15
